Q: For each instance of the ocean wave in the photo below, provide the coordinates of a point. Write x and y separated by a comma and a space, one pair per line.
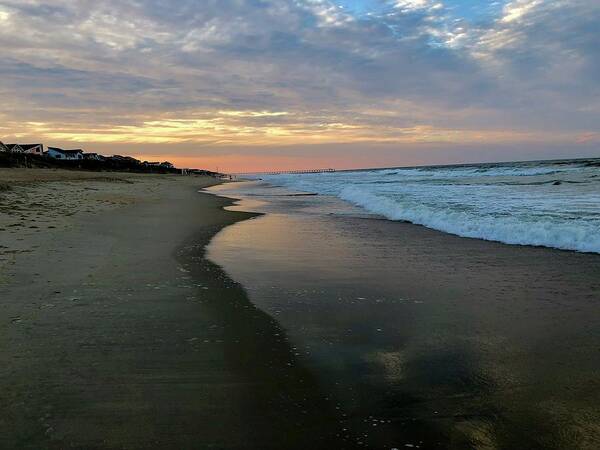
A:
558, 205
486, 171
569, 235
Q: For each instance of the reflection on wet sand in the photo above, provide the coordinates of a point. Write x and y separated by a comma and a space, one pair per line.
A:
281, 404
425, 339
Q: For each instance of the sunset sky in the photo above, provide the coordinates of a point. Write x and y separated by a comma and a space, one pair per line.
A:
247, 85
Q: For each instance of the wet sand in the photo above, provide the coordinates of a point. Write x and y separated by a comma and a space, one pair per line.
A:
117, 333
424, 339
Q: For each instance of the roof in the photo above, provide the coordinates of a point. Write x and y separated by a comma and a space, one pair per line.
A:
60, 150
28, 146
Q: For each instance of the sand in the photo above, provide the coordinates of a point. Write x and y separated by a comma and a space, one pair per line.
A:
116, 332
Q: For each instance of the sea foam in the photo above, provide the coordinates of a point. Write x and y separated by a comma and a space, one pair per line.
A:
543, 204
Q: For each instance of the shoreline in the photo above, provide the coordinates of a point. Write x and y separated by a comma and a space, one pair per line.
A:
119, 333
244, 204
121, 327
448, 342
547, 204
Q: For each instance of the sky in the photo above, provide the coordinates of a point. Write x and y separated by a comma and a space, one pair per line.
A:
249, 85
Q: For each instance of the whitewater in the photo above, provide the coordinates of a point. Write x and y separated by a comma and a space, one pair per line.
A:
545, 203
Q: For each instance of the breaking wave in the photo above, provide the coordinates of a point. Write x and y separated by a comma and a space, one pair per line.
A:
551, 204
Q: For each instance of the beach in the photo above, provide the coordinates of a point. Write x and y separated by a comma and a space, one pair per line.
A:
424, 339
140, 311
300, 225
117, 333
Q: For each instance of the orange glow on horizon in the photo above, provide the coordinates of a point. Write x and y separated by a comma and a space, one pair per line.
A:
239, 163
236, 141
250, 163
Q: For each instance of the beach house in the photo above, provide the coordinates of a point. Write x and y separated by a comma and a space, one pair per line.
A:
65, 155
32, 149
14, 148
3, 147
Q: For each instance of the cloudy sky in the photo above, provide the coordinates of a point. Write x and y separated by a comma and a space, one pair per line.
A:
264, 84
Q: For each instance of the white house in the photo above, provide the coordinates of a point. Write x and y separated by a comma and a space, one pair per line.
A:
14, 148
68, 155
32, 149
3, 147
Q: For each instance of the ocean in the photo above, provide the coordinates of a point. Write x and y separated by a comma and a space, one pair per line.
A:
542, 203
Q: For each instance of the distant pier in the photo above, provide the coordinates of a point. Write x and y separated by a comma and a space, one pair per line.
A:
285, 172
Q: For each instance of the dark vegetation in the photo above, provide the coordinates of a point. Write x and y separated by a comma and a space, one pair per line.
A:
107, 164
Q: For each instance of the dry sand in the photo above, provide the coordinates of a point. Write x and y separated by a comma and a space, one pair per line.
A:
116, 332
35, 202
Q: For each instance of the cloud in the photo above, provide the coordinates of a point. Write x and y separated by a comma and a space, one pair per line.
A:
272, 72
546, 58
